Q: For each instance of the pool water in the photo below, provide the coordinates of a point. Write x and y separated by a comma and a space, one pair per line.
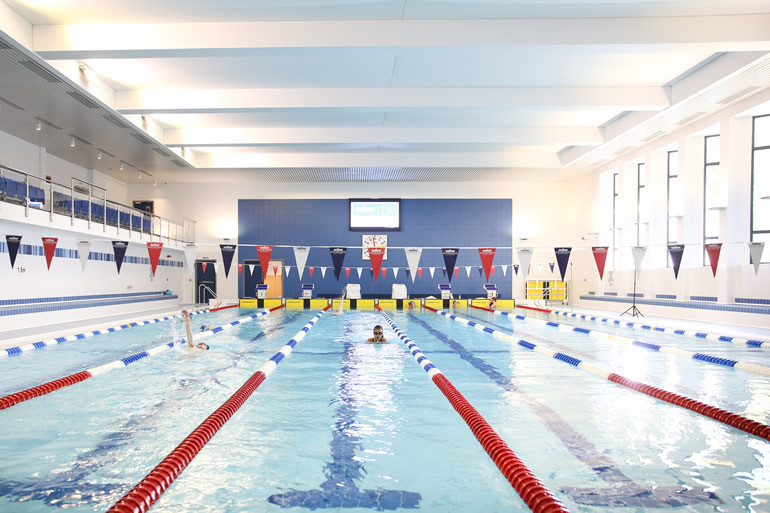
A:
350, 426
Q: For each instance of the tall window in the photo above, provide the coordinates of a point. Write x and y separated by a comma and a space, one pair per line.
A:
673, 200
760, 182
615, 220
713, 191
641, 199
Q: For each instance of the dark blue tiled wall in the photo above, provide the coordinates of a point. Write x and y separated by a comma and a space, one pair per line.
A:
461, 223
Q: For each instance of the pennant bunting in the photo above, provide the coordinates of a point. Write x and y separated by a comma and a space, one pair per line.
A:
119, 248
450, 257
419, 272
240, 269
713, 251
676, 250
395, 273
13, 242
525, 257
203, 267
275, 270
251, 269
360, 270
432, 270
505, 270
383, 272
516, 269
468, 270
481, 271
300, 258
347, 272
540, 268
492, 271
287, 269
638, 252
408, 273
338, 256
49, 246
264, 253
189, 257
228, 251
216, 267
323, 272
551, 264
755, 253
443, 271
487, 258
84, 249
562, 257
600, 257
375, 257
457, 270
154, 249
413, 259
310, 270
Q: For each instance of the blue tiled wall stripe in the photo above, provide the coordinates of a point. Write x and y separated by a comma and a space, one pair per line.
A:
610, 293
752, 301
703, 298
51, 307
28, 249
686, 304
665, 296
30, 300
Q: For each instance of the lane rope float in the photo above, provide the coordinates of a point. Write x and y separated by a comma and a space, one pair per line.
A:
532, 491
51, 386
731, 419
142, 496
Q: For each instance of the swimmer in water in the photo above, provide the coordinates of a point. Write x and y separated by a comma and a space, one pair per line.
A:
190, 344
377, 338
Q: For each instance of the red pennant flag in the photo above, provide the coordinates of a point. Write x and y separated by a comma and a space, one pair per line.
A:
264, 253
493, 271
49, 245
375, 256
713, 251
487, 256
154, 249
240, 269
347, 272
275, 270
419, 272
384, 270
203, 266
600, 255
311, 269
457, 271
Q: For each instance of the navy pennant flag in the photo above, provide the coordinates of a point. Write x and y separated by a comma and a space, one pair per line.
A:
676, 250
119, 247
228, 250
450, 257
338, 256
562, 257
13, 241
516, 269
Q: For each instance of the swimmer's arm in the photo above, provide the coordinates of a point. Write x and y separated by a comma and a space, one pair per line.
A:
189, 334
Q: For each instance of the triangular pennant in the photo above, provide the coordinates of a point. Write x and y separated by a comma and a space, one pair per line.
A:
240, 269
189, 257
372, 275
432, 270
492, 271
457, 271
413, 259
562, 257
676, 250
375, 256
516, 269
755, 253
13, 242
450, 257
505, 270
338, 256
551, 264
275, 270
119, 248
383, 272
600, 257
323, 272
154, 249
228, 251
419, 272
49, 246
84, 248
638, 252
300, 257
443, 271
525, 257
310, 270
360, 270
216, 267
487, 257
347, 272
287, 269
264, 253
395, 273
481, 271
713, 251
468, 271
540, 268
203, 267
409, 274
250, 266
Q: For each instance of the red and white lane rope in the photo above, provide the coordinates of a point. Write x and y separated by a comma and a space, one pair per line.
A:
142, 496
51, 386
527, 485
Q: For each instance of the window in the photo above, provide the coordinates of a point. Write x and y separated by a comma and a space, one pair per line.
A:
714, 191
641, 199
615, 220
673, 200
760, 182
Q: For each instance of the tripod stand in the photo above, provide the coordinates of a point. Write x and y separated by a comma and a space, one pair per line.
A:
633, 311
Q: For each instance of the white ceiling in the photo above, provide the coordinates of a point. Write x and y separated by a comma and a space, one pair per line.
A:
307, 89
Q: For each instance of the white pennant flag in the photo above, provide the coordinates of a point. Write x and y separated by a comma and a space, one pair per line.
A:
300, 257
432, 270
251, 268
286, 269
189, 257
505, 269
755, 250
360, 270
323, 272
638, 252
395, 272
468, 270
525, 257
84, 248
216, 267
413, 260
539, 268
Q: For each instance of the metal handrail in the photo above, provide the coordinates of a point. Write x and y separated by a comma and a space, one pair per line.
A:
547, 291
213, 294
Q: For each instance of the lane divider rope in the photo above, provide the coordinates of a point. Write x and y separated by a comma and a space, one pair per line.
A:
51, 386
527, 485
142, 496
731, 419
80, 336
687, 333
726, 362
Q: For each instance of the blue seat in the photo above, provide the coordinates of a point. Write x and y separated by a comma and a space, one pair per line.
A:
2, 184
16, 189
125, 218
97, 211
136, 222
112, 215
146, 225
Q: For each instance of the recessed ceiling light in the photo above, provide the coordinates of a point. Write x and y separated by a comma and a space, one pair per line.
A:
121, 166
99, 156
39, 127
72, 143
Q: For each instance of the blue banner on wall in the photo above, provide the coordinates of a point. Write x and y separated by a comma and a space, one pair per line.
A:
338, 256
450, 257
562, 257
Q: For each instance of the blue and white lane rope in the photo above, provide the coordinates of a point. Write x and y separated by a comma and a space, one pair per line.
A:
726, 362
80, 336
687, 333
415, 351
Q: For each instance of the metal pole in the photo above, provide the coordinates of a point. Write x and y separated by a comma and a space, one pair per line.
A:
571, 283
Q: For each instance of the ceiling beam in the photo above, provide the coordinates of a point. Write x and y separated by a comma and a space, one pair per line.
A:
215, 39
197, 101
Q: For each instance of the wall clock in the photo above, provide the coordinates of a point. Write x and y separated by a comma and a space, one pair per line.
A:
373, 241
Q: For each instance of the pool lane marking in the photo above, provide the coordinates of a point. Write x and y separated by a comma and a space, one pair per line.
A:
51, 386
532, 491
731, 419
142, 496
340, 488
687, 333
58, 340
725, 362
623, 490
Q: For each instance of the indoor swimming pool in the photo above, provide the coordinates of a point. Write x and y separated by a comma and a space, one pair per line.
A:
344, 425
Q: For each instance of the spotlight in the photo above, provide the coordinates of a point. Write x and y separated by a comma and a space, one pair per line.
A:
140, 174
99, 156
38, 127
72, 143
155, 184
121, 166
